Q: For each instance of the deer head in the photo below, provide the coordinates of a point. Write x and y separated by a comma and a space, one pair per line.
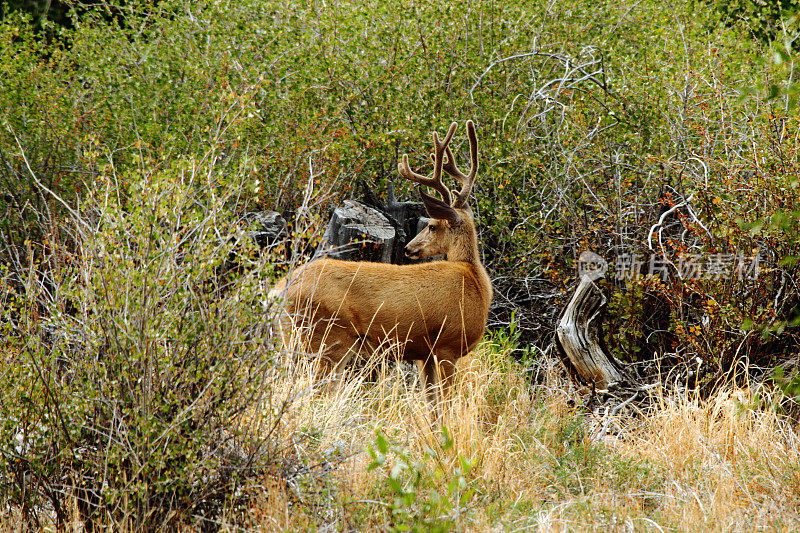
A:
451, 231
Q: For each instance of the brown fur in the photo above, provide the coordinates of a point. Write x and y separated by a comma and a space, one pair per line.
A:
435, 311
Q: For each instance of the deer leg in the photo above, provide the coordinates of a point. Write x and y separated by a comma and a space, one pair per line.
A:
437, 375
429, 377
337, 374
340, 346
447, 372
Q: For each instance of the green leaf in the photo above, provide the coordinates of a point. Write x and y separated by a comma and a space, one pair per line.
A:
466, 496
383, 446
395, 485
466, 465
773, 92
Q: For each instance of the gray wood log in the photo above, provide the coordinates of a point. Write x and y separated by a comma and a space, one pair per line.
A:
357, 232
404, 216
268, 227
579, 332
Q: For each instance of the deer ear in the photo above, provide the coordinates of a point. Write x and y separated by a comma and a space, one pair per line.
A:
438, 209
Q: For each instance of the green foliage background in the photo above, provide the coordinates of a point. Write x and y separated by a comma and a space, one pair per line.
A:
594, 119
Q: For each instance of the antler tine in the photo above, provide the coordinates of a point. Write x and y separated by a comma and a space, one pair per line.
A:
436, 181
409, 174
467, 181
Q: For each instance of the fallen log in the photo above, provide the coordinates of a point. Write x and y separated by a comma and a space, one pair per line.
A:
267, 227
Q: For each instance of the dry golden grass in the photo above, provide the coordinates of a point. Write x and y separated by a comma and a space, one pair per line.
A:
687, 465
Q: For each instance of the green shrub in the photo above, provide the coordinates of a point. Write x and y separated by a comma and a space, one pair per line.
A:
133, 359
418, 502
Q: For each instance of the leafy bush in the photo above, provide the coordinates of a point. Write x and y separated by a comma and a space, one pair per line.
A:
766, 21
132, 358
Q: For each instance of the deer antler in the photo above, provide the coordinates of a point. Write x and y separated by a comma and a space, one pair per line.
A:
438, 158
466, 181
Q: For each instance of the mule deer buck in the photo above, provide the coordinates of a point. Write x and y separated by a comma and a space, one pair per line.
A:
435, 311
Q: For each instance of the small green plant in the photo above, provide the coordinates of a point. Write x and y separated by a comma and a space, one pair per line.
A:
418, 502
508, 341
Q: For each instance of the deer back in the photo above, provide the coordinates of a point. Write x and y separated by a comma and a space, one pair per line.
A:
423, 306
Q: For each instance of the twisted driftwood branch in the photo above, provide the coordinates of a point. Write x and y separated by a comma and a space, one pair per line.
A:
579, 332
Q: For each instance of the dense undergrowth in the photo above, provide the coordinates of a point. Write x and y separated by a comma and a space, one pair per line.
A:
519, 457
140, 388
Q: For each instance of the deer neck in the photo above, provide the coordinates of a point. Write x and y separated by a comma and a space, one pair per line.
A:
465, 249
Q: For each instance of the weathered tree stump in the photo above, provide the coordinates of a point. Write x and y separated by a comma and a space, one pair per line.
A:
268, 227
404, 216
579, 333
357, 232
